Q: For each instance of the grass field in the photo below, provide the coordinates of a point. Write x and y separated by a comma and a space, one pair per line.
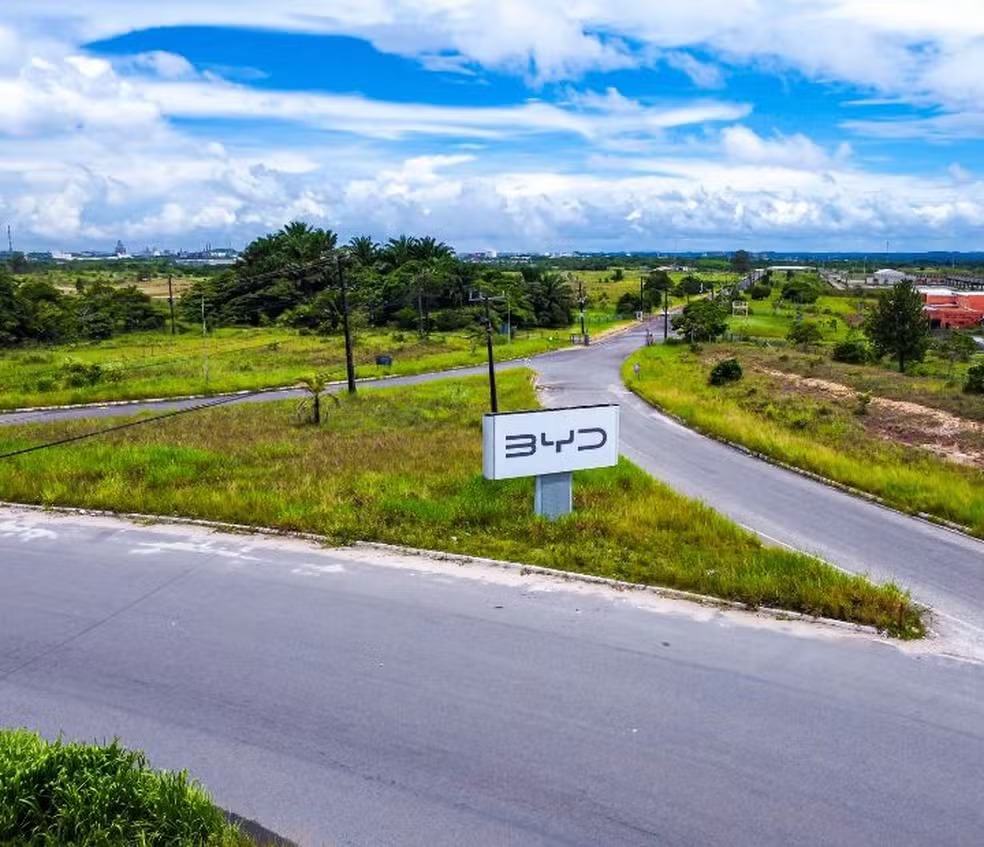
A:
404, 466
834, 315
142, 365
869, 445
67, 278
605, 292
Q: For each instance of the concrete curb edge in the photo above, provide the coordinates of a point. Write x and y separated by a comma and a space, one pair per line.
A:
463, 560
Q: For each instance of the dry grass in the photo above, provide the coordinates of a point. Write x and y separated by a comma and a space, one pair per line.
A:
822, 434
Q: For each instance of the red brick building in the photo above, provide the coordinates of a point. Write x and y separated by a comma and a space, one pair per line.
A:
947, 309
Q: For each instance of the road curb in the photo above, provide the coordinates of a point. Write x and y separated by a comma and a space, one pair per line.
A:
463, 560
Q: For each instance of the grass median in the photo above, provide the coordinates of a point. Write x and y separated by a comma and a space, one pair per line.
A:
145, 365
871, 443
403, 465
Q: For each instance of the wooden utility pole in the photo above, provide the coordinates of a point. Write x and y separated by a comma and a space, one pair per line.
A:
581, 302
493, 396
349, 362
170, 300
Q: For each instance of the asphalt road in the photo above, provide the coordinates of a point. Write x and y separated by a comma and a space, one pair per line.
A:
942, 568
344, 702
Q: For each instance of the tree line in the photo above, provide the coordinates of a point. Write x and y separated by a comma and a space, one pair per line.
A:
295, 277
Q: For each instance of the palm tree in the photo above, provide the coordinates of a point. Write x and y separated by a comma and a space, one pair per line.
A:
398, 251
364, 250
316, 385
429, 249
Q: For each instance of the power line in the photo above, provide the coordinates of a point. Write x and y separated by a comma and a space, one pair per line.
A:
129, 425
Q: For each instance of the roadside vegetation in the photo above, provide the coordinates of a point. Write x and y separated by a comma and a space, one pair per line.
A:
153, 364
60, 793
276, 315
404, 466
819, 388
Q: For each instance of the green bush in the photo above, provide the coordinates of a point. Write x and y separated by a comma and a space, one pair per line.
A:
799, 291
975, 379
78, 374
759, 291
804, 333
725, 371
853, 352
57, 794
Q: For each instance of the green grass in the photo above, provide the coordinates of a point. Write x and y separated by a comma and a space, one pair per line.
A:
57, 794
823, 435
769, 320
404, 466
144, 365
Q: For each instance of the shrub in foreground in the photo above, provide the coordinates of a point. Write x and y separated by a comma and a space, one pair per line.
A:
57, 793
725, 371
853, 352
975, 379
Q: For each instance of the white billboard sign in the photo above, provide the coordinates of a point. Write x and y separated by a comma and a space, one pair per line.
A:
549, 441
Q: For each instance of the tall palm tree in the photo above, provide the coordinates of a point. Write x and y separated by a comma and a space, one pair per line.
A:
428, 249
398, 251
363, 250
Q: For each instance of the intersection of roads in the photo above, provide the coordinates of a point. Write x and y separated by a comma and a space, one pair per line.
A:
361, 697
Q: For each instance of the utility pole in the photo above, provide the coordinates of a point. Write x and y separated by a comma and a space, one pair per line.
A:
349, 362
170, 300
493, 396
10, 241
472, 298
420, 308
666, 313
205, 343
581, 302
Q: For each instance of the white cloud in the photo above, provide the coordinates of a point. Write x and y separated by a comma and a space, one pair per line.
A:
164, 65
702, 74
92, 152
898, 47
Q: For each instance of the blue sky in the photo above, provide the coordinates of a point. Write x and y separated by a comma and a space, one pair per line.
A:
762, 124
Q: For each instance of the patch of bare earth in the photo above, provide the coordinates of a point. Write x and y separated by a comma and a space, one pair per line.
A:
951, 437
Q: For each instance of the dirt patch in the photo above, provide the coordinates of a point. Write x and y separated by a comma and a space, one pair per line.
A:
951, 437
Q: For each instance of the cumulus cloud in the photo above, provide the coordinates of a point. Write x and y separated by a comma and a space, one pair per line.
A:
903, 47
92, 150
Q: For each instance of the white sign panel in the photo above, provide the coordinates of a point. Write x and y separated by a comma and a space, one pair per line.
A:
550, 441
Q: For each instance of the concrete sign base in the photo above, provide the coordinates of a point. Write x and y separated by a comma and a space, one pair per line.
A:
554, 495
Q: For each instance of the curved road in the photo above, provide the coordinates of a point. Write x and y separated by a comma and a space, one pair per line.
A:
344, 698
942, 569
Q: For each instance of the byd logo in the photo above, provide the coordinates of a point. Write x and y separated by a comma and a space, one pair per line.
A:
526, 445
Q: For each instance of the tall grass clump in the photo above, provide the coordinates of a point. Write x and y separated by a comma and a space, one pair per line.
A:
60, 794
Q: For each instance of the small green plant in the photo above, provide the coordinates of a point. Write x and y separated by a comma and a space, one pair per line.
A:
863, 400
725, 371
975, 379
